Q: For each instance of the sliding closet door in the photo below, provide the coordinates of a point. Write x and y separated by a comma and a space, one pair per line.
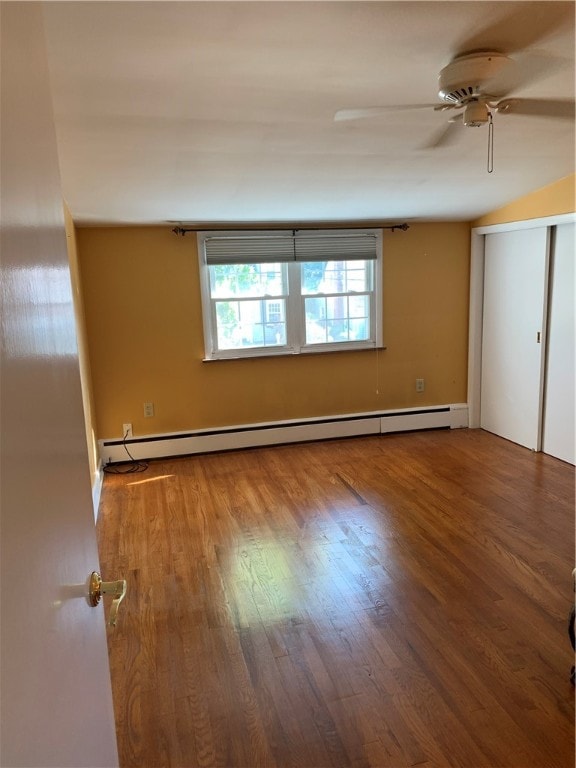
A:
515, 276
559, 416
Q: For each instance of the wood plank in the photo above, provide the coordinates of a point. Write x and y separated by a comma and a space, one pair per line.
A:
395, 600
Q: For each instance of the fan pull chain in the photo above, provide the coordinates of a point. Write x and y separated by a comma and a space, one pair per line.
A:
490, 164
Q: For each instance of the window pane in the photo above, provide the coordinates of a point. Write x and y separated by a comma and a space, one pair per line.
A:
334, 319
316, 308
250, 326
359, 276
316, 331
274, 311
360, 329
337, 330
272, 279
358, 306
334, 280
312, 275
227, 322
244, 280
245, 324
315, 312
336, 276
336, 307
275, 334
359, 313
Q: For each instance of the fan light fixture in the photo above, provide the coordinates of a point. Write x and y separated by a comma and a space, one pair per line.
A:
476, 113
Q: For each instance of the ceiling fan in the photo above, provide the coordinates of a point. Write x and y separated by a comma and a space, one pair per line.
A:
473, 86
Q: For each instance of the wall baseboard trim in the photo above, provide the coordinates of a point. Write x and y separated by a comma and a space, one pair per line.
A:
281, 432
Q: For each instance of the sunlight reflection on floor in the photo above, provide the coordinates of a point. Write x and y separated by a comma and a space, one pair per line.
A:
150, 480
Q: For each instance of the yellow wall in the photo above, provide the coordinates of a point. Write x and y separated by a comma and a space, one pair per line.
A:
554, 199
144, 322
83, 358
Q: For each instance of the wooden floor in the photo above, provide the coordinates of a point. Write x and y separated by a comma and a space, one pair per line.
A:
395, 600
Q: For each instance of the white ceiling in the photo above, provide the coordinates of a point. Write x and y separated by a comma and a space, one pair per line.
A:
222, 112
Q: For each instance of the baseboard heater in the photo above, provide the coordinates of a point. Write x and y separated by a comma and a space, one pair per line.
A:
292, 431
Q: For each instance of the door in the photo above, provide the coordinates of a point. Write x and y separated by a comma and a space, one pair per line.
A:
56, 703
515, 274
559, 411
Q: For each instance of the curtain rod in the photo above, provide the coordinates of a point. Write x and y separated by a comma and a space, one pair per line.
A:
183, 230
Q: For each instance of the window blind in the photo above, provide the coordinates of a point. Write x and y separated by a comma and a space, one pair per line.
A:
335, 247
251, 248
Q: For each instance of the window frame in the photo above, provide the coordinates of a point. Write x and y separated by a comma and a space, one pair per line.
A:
295, 300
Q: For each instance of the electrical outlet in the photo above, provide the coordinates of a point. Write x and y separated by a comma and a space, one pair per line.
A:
126, 431
148, 410
419, 385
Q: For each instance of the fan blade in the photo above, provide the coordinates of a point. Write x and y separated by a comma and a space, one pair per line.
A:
520, 28
367, 112
558, 108
446, 135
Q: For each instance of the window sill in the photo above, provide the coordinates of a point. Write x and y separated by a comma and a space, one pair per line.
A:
302, 353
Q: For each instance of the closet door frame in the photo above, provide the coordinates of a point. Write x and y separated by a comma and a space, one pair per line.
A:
558, 439
477, 301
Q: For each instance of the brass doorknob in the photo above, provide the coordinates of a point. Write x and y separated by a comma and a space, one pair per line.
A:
97, 588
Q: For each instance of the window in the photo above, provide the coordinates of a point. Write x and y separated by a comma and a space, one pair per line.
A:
290, 292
